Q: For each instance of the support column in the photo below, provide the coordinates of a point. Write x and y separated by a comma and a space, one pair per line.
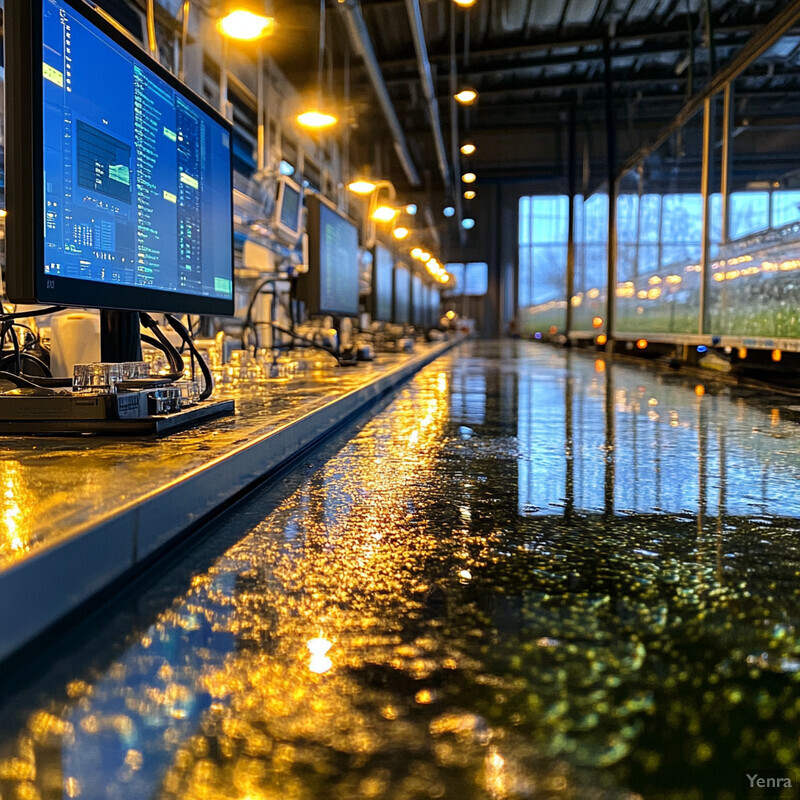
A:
727, 153
261, 156
705, 265
572, 179
611, 157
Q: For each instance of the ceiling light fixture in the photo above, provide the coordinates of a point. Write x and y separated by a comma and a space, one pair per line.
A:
469, 177
468, 148
316, 120
246, 26
466, 96
384, 214
362, 187
469, 194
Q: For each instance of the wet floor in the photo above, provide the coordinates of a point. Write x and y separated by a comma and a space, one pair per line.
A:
532, 575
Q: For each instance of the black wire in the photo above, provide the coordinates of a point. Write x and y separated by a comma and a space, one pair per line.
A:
153, 342
22, 381
208, 378
30, 359
248, 319
308, 341
22, 314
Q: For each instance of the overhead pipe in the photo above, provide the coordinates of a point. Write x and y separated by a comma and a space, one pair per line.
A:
424, 66
362, 44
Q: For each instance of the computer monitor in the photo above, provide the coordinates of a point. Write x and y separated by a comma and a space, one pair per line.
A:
288, 209
119, 179
436, 303
382, 284
417, 302
331, 284
401, 312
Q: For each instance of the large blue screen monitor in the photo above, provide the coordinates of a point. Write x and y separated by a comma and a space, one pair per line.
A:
330, 287
382, 283
119, 177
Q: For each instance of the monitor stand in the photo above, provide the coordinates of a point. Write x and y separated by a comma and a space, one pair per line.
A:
112, 414
345, 356
119, 336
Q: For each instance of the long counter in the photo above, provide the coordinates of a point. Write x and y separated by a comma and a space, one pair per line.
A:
79, 513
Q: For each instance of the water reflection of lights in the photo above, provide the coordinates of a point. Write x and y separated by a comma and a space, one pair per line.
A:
14, 528
319, 662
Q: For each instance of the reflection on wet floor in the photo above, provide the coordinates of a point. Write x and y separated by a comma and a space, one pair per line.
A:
532, 575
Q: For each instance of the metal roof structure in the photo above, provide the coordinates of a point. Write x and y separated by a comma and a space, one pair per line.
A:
533, 63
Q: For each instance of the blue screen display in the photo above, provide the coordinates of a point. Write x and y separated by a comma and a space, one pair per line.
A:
137, 177
402, 295
383, 266
338, 253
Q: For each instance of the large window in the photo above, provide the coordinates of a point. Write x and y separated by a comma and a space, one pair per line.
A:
471, 279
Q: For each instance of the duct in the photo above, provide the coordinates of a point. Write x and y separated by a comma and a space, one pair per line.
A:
362, 44
424, 66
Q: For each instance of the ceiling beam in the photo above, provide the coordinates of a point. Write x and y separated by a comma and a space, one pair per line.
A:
590, 39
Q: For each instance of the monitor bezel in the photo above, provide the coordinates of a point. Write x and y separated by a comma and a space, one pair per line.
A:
374, 289
280, 227
26, 280
309, 284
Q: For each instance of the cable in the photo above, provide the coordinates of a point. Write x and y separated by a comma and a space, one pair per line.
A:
40, 313
308, 341
208, 378
164, 344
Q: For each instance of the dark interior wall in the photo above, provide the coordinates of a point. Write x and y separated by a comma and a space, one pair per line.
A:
494, 240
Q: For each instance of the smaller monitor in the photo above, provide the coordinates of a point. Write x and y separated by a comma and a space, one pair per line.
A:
288, 218
331, 284
382, 284
436, 306
401, 313
417, 301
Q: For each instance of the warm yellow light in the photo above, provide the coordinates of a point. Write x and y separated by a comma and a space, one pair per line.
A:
469, 194
464, 3
361, 187
597, 322
451, 315
316, 120
742, 352
3, 213
699, 390
425, 257
445, 278
245, 25
468, 149
416, 253
400, 233
777, 356
384, 214
466, 96
642, 344
602, 339
469, 177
